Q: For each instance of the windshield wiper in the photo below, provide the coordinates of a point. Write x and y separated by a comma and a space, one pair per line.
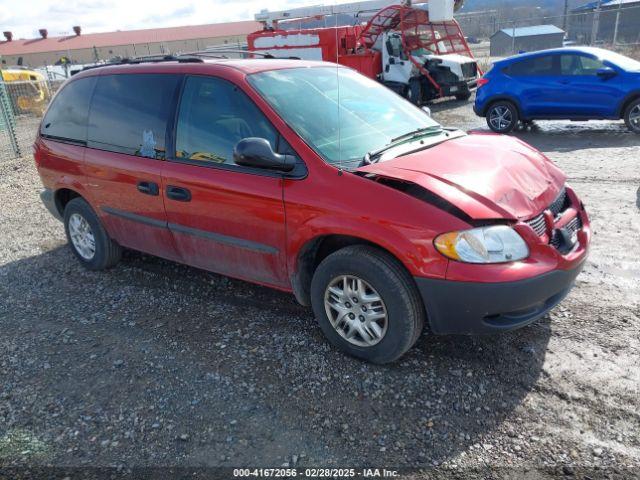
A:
370, 157
415, 133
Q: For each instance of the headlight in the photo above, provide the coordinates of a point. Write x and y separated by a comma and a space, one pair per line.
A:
495, 244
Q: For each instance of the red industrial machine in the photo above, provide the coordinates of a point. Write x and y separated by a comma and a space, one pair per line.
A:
417, 50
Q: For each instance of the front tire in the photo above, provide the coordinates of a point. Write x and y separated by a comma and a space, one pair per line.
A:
502, 116
413, 91
88, 239
367, 304
632, 116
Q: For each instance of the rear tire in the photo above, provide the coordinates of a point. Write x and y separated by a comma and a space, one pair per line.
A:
632, 116
463, 97
88, 239
502, 116
380, 276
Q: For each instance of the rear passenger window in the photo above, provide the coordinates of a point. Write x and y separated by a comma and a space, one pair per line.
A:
533, 67
66, 118
129, 113
215, 115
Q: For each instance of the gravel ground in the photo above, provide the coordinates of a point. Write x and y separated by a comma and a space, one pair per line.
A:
156, 364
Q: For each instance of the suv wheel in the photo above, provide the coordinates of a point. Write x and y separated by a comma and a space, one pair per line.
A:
89, 241
367, 304
632, 116
502, 117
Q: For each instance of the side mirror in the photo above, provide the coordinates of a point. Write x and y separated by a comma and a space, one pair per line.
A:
426, 110
257, 152
606, 72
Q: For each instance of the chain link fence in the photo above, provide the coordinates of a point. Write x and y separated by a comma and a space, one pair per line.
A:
614, 28
22, 104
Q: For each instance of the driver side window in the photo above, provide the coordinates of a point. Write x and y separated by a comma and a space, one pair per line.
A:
579, 65
394, 46
214, 115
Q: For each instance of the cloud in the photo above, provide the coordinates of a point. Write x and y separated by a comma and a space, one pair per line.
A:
180, 13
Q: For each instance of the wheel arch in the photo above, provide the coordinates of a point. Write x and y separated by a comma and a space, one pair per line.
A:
316, 249
62, 196
626, 101
506, 98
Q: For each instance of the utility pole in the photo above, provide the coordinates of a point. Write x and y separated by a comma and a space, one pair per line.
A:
564, 16
615, 29
596, 22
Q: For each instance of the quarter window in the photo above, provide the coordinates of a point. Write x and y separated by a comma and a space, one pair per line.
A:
532, 67
129, 113
215, 115
66, 118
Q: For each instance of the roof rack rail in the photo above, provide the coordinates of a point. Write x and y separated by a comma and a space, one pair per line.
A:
188, 57
149, 59
212, 54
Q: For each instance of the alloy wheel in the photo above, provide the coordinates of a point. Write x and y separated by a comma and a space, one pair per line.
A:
82, 236
356, 310
500, 117
634, 117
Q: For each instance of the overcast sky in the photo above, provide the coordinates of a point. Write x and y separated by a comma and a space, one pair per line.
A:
25, 17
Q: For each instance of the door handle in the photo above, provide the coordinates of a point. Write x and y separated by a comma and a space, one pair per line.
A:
178, 193
148, 188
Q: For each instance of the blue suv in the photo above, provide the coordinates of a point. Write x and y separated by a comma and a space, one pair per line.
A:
577, 83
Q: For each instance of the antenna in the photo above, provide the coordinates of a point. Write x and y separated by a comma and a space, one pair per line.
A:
339, 139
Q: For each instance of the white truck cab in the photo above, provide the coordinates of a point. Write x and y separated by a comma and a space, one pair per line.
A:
455, 74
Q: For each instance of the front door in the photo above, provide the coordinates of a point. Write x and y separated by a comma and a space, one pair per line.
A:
223, 217
396, 66
126, 139
587, 93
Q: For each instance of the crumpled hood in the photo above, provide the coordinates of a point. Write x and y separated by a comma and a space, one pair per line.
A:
487, 176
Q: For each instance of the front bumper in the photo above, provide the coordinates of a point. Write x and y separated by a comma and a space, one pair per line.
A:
459, 88
471, 308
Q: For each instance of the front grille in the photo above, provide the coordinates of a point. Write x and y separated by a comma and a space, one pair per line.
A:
557, 207
469, 70
560, 204
572, 227
538, 224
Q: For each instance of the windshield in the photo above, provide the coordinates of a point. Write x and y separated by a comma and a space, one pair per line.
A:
623, 62
341, 124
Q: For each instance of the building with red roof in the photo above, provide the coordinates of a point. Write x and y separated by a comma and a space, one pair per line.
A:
86, 48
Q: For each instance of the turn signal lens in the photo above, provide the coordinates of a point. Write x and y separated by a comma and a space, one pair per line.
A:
495, 244
446, 245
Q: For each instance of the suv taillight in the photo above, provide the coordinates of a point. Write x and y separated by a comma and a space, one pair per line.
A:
482, 81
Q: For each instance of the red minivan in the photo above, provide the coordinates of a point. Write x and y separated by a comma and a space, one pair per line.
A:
310, 178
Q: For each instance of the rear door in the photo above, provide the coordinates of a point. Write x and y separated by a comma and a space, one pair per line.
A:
588, 94
126, 138
537, 85
224, 218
